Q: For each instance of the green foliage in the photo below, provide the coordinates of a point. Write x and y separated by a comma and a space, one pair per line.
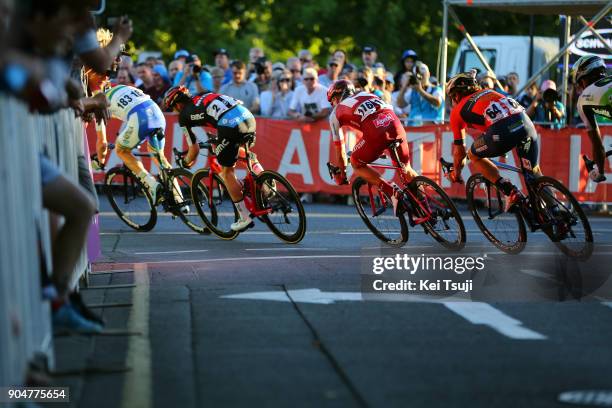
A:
282, 27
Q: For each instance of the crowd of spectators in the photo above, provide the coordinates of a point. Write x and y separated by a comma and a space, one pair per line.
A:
295, 88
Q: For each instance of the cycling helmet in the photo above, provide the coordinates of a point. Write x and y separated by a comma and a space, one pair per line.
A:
342, 88
173, 95
464, 83
586, 65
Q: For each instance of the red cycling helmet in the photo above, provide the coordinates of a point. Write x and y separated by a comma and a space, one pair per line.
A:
172, 94
341, 88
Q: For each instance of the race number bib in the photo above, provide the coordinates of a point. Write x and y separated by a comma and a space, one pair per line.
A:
501, 109
219, 106
371, 106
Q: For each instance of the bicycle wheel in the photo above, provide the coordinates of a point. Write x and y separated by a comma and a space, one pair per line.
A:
376, 211
181, 202
505, 230
130, 199
287, 219
445, 224
214, 204
569, 227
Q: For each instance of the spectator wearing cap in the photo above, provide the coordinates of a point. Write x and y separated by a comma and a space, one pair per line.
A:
334, 67
305, 57
181, 55
309, 102
547, 107
295, 66
194, 77
275, 101
349, 72
222, 61
425, 100
174, 69
217, 77
242, 89
369, 56
409, 58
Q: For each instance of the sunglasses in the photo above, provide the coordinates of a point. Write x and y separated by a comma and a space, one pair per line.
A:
309, 79
306, 60
285, 80
333, 64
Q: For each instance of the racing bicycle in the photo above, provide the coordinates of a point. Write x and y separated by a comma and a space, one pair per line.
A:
131, 199
268, 196
423, 203
548, 206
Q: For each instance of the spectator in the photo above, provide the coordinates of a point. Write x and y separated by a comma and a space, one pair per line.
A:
409, 58
174, 69
309, 102
528, 95
295, 66
217, 77
263, 74
126, 62
349, 72
241, 89
222, 61
379, 89
278, 66
124, 77
425, 100
161, 83
194, 77
181, 55
504, 86
255, 54
369, 56
365, 78
547, 108
340, 56
145, 73
275, 101
487, 80
513, 81
334, 67
305, 57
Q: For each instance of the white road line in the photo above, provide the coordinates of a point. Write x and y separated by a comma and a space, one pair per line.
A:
609, 304
138, 381
170, 252
485, 314
287, 249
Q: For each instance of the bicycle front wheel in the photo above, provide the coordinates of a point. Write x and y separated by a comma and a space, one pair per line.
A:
568, 227
130, 199
376, 210
179, 181
286, 217
214, 204
486, 203
445, 224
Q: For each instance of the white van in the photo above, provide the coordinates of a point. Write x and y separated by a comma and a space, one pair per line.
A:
506, 53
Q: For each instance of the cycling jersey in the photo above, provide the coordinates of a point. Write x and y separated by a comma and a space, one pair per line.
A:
377, 122
481, 110
123, 99
207, 110
596, 99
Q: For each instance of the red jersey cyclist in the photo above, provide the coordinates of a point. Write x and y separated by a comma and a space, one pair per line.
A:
504, 124
379, 125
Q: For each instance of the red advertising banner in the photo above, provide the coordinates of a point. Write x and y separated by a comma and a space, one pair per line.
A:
300, 152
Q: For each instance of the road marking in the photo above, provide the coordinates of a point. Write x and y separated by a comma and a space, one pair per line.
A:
477, 313
170, 252
594, 398
609, 304
287, 249
138, 382
485, 314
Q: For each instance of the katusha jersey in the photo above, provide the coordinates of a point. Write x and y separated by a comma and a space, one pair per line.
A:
207, 110
363, 111
481, 110
595, 99
123, 99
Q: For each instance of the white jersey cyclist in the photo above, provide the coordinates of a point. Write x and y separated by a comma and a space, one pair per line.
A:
596, 99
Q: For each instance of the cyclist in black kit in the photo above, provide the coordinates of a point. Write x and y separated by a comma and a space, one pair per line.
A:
235, 125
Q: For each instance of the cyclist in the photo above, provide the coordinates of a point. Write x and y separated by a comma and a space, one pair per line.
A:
379, 125
505, 125
234, 123
589, 74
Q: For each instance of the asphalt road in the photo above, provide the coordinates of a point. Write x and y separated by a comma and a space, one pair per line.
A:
255, 322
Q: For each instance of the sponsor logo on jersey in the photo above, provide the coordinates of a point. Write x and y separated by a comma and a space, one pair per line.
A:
383, 120
198, 116
602, 112
587, 97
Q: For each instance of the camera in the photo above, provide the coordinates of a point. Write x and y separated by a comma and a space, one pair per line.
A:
260, 65
550, 96
196, 69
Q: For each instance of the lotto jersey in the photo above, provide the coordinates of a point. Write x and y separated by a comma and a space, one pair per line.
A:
361, 111
123, 99
207, 110
480, 110
596, 99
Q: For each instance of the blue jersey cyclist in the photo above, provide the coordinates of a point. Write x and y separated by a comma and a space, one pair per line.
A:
234, 123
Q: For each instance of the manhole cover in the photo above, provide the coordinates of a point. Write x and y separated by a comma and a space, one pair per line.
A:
592, 398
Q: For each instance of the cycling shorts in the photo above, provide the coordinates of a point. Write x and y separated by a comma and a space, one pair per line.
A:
502, 136
375, 141
143, 122
232, 128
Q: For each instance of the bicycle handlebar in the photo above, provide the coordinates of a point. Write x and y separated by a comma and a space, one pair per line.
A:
448, 167
333, 170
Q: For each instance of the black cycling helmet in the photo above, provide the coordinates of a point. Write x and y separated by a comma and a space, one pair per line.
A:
341, 88
174, 95
463, 84
586, 65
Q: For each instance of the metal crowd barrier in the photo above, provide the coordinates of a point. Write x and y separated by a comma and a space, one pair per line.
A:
25, 327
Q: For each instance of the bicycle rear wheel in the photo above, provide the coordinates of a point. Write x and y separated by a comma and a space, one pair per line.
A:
445, 224
569, 228
214, 204
287, 219
376, 210
505, 230
182, 202
130, 199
